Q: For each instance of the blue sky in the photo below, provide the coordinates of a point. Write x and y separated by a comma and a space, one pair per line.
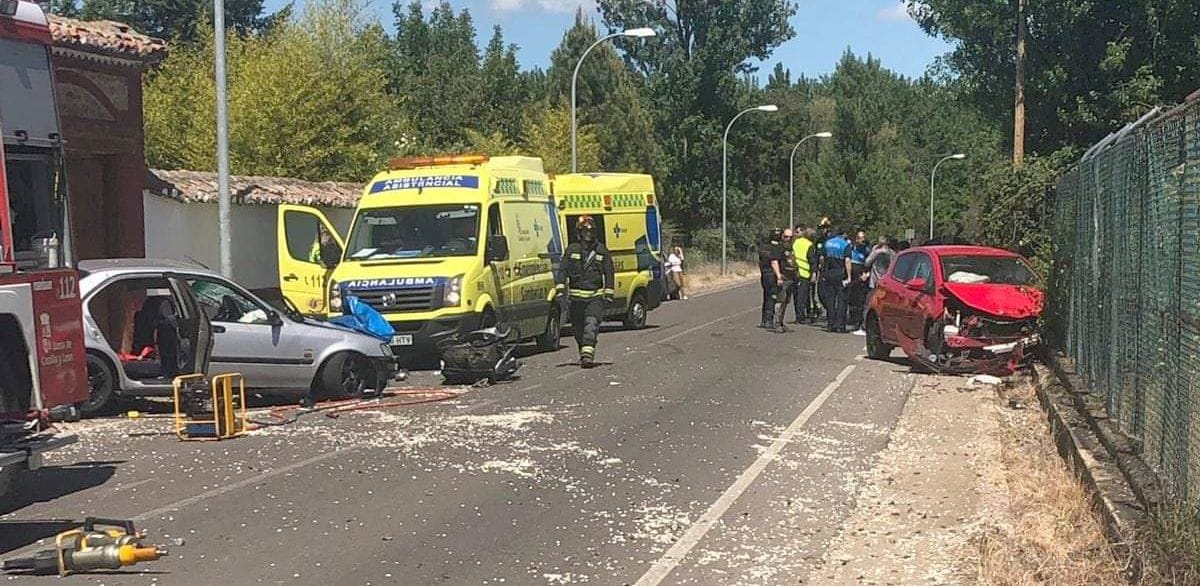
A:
824, 29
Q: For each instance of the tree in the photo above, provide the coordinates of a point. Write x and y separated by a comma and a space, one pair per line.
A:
436, 71
609, 99
169, 19
504, 91
548, 135
691, 85
1091, 66
306, 100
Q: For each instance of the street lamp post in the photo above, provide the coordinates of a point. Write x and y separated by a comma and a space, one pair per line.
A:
792, 176
725, 179
640, 33
932, 175
224, 234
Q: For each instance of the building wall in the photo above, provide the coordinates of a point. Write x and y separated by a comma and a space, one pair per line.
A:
100, 107
188, 231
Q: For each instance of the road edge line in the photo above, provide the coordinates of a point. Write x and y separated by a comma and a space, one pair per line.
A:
692, 537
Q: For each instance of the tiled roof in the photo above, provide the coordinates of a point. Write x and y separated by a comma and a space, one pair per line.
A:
106, 37
201, 187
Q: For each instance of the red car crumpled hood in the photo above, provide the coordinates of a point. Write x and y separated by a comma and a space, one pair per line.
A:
1005, 301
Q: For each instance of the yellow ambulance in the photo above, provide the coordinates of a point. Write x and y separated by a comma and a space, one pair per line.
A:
625, 210
437, 244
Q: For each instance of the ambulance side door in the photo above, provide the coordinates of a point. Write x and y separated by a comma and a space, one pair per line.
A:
497, 273
306, 261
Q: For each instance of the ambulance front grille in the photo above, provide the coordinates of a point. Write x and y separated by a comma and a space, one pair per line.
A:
399, 300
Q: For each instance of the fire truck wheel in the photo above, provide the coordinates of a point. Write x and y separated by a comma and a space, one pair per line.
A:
101, 387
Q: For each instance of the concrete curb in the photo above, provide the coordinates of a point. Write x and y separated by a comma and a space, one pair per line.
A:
1122, 488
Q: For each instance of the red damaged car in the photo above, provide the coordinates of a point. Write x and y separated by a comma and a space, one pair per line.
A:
956, 309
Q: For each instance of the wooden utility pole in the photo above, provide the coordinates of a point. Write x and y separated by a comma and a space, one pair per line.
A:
1019, 106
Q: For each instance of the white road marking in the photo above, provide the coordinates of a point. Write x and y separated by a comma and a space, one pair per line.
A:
674, 556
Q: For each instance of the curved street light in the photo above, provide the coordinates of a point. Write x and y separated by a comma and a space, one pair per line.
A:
956, 157
637, 33
725, 178
792, 176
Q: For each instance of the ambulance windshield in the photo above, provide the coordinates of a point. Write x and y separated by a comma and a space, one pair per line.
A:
415, 232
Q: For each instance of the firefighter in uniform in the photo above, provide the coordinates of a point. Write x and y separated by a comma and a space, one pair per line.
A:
585, 277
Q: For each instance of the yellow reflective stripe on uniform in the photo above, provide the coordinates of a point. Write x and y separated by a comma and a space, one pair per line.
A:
560, 287
800, 248
582, 293
588, 350
608, 291
576, 255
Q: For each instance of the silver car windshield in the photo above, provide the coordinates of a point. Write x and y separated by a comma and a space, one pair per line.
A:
415, 232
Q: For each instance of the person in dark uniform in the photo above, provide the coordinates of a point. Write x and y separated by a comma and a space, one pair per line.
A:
769, 253
835, 278
860, 275
789, 269
822, 234
585, 277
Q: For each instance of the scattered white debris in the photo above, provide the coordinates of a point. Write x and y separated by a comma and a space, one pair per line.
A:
523, 467
985, 379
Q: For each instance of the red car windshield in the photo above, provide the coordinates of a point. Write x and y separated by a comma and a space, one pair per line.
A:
998, 270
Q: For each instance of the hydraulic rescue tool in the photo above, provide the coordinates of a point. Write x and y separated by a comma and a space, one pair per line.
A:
88, 549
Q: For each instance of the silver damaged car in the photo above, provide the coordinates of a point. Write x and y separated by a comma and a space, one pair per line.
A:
140, 326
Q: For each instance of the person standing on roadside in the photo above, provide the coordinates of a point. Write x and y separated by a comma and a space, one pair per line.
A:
859, 278
788, 272
878, 263
835, 278
675, 272
770, 277
804, 252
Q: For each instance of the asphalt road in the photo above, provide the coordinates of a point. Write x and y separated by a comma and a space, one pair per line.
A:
703, 451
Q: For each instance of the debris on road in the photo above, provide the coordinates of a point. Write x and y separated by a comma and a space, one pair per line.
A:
985, 379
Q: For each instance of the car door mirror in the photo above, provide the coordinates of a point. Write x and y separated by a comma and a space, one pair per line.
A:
917, 284
497, 249
274, 319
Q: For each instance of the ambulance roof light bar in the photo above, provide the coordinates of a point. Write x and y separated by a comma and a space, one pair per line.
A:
403, 163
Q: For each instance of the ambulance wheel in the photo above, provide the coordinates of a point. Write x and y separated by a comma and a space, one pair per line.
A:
548, 341
635, 316
102, 384
345, 375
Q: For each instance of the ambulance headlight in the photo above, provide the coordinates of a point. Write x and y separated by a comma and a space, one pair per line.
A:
453, 292
335, 296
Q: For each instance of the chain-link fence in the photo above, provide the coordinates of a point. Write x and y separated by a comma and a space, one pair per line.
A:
1125, 292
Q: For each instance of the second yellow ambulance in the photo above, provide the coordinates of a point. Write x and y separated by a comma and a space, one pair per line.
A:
625, 210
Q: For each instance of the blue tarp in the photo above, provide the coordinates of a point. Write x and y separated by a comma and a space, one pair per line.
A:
363, 318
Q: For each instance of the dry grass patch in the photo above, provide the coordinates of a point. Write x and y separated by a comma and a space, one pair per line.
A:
707, 276
1053, 536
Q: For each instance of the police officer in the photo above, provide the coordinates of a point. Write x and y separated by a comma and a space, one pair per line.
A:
805, 252
789, 274
770, 277
859, 276
585, 277
835, 278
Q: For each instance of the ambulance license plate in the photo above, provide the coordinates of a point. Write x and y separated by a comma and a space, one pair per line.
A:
402, 340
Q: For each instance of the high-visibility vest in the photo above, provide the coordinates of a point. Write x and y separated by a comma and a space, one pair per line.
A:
800, 248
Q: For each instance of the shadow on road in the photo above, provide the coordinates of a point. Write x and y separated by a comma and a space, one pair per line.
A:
48, 484
18, 534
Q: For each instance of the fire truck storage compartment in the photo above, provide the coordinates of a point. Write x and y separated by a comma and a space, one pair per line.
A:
15, 381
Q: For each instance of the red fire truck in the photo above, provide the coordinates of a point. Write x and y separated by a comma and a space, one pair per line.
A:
43, 370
